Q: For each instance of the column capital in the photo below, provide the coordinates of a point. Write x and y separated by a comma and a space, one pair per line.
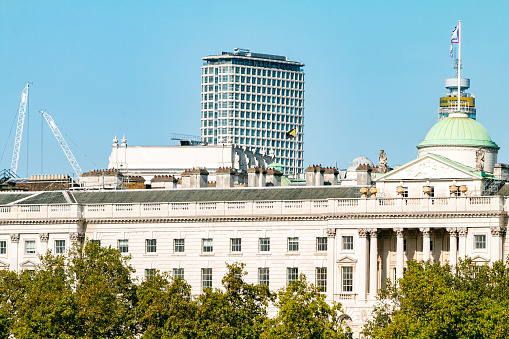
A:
362, 232
331, 232
75, 236
399, 231
425, 231
373, 232
14, 237
44, 237
453, 231
462, 231
497, 231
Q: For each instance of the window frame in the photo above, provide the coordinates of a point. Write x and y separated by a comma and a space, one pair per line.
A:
264, 276
34, 248
321, 278
347, 245
150, 245
178, 272
123, 247
3, 247
179, 247
150, 273
292, 244
292, 274
206, 273
264, 244
58, 248
347, 279
235, 245
207, 248
320, 246
478, 243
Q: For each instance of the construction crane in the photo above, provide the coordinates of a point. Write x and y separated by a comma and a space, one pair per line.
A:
19, 130
63, 144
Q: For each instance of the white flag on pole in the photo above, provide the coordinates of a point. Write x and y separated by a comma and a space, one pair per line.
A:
455, 36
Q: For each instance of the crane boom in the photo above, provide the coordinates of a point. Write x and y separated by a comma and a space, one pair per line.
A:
19, 129
63, 144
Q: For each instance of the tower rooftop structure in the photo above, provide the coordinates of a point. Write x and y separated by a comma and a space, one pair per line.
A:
449, 102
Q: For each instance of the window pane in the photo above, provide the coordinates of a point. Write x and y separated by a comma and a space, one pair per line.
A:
207, 245
292, 274
321, 244
293, 244
3, 247
347, 278
150, 273
206, 278
123, 246
236, 244
179, 245
30, 247
263, 276
347, 242
264, 244
178, 273
151, 245
480, 241
321, 278
59, 246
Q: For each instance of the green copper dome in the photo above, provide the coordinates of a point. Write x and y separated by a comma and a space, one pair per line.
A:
458, 132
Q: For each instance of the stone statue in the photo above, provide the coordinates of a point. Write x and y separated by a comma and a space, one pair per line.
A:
236, 163
479, 160
382, 162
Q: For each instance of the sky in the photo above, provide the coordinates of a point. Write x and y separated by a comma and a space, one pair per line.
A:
374, 71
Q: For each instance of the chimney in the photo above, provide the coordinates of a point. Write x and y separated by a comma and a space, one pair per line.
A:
198, 178
262, 179
273, 177
330, 176
363, 175
225, 177
314, 175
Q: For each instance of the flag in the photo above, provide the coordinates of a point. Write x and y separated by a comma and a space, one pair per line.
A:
451, 51
292, 133
455, 36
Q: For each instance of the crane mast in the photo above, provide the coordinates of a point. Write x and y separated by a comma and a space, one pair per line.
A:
19, 129
63, 144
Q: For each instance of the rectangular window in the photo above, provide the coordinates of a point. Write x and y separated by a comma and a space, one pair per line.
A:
150, 245
206, 278
480, 241
3, 247
123, 246
321, 244
321, 278
207, 245
59, 246
178, 273
30, 247
179, 245
263, 276
236, 244
264, 244
292, 273
347, 278
293, 244
347, 242
150, 273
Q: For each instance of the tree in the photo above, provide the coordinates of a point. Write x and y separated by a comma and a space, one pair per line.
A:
434, 301
304, 313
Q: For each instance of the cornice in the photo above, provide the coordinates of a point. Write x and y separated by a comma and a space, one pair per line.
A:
40, 221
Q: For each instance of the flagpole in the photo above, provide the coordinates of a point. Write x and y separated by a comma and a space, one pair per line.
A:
459, 64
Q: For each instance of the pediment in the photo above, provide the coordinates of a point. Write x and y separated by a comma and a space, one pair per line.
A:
480, 259
429, 167
346, 260
28, 264
3, 264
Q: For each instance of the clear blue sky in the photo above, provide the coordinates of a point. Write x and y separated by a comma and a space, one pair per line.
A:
374, 71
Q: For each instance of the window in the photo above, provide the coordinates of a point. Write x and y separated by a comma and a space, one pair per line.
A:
321, 244
30, 247
405, 192
347, 242
347, 278
59, 246
178, 273
263, 276
480, 241
264, 244
293, 244
123, 246
321, 278
207, 245
236, 244
179, 245
3, 247
150, 245
206, 278
150, 273
97, 242
292, 273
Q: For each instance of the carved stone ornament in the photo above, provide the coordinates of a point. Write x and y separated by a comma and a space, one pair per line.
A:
425, 232
363, 232
331, 232
497, 231
75, 236
479, 159
363, 191
15, 237
452, 231
373, 232
462, 231
44, 237
399, 231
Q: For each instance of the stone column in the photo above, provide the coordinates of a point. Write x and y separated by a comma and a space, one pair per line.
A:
331, 263
453, 246
462, 232
373, 262
400, 252
497, 233
362, 265
426, 246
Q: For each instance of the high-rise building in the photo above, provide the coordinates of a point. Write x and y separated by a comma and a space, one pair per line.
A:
255, 101
449, 102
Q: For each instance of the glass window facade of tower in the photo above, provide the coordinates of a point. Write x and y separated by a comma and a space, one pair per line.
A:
255, 100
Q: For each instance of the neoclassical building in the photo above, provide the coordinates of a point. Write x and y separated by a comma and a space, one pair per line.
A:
449, 203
